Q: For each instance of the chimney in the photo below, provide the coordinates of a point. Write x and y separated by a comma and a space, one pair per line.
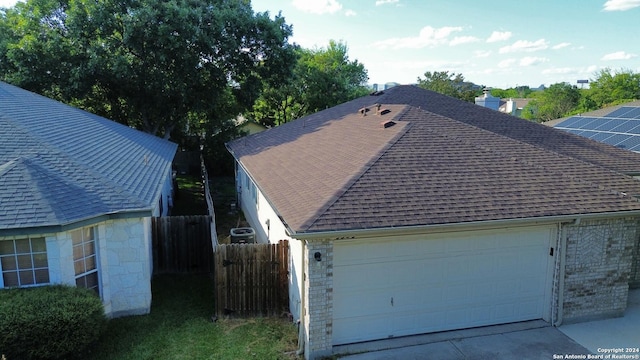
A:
487, 100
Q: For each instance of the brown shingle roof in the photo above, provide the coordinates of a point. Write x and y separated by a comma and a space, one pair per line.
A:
444, 161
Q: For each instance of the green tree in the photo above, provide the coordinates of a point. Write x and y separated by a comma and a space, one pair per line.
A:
149, 64
322, 78
556, 101
614, 87
452, 85
517, 92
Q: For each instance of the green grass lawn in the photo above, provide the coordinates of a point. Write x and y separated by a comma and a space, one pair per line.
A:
189, 196
180, 327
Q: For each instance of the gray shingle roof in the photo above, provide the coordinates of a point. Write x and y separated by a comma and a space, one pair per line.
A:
60, 165
445, 161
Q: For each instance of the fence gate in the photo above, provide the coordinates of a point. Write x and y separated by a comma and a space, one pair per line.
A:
182, 244
252, 279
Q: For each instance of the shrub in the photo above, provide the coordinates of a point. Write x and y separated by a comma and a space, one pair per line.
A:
49, 322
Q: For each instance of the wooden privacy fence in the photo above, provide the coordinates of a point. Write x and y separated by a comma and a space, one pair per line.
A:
252, 279
182, 244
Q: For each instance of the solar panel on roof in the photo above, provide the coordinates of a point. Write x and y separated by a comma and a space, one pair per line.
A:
624, 125
574, 131
599, 136
633, 114
616, 139
608, 125
588, 123
635, 130
619, 112
631, 142
620, 127
569, 122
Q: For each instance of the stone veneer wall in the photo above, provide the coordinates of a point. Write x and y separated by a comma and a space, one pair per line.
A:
126, 266
319, 297
598, 261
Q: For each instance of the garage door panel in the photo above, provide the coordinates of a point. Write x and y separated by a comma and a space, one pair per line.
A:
438, 283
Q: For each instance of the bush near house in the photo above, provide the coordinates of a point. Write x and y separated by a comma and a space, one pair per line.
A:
49, 322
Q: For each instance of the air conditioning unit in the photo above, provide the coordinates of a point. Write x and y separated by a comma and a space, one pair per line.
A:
244, 235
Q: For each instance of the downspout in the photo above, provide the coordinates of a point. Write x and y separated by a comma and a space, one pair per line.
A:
302, 302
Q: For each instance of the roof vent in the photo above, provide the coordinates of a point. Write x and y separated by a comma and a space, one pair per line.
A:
384, 111
377, 93
364, 111
387, 124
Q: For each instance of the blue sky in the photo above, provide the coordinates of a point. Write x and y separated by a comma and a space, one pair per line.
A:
493, 43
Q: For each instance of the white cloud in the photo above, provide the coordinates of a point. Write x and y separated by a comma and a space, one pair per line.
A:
525, 46
433, 65
428, 36
556, 71
350, 13
530, 61
383, 2
482, 53
561, 45
499, 36
619, 55
317, 6
620, 5
506, 63
463, 40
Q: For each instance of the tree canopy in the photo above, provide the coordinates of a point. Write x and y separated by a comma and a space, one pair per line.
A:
450, 84
554, 102
322, 78
614, 87
149, 64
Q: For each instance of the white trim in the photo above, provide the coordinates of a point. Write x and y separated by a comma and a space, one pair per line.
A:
455, 227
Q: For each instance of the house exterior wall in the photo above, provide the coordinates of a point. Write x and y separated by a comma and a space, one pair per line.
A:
123, 261
634, 278
250, 203
597, 268
126, 266
270, 229
163, 205
319, 300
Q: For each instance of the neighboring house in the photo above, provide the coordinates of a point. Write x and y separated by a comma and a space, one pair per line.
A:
427, 213
77, 193
251, 127
513, 106
616, 125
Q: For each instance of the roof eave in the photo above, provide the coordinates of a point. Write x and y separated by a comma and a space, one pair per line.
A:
51, 229
451, 227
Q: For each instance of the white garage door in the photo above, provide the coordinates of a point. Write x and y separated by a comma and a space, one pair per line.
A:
412, 285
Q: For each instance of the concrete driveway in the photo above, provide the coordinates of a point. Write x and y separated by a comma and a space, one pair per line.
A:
526, 340
623, 332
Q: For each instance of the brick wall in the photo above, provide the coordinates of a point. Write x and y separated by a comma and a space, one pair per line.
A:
319, 298
598, 262
634, 280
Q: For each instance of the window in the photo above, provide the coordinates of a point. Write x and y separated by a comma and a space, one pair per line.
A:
85, 259
24, 262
